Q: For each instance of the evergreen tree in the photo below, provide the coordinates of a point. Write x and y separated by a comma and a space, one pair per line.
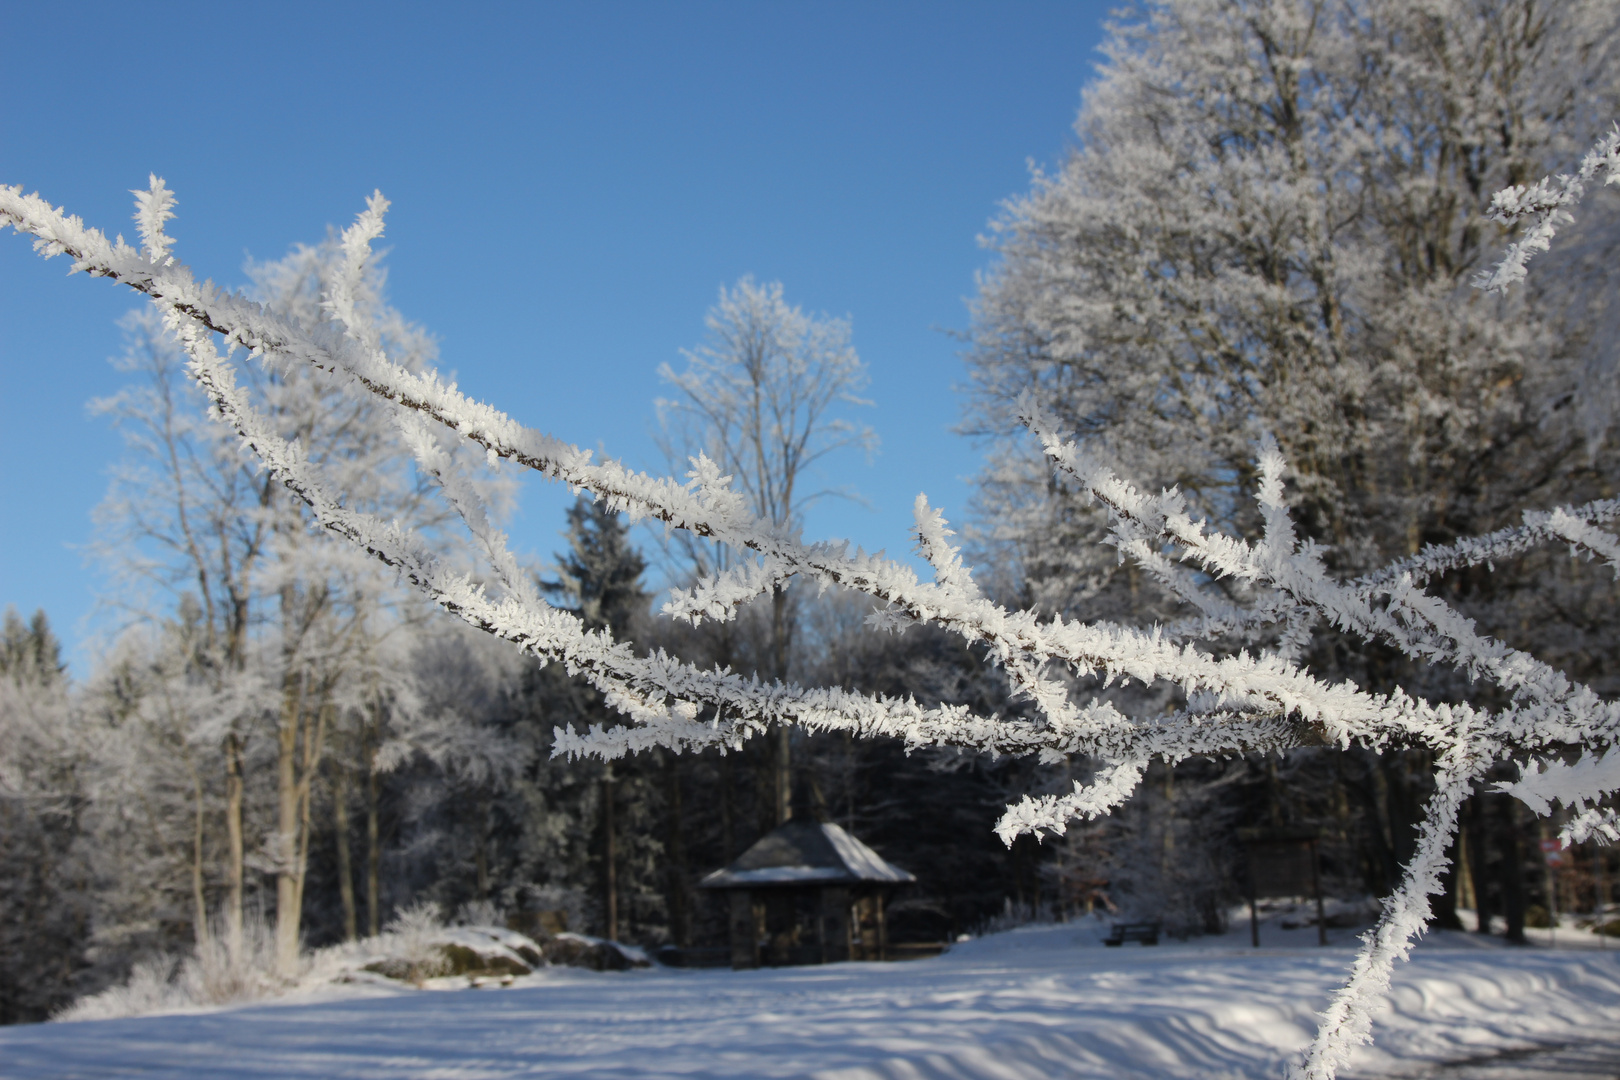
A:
599, 578
29, 652
44, 906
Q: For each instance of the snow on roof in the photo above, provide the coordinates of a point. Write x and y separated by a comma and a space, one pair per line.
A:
801, 852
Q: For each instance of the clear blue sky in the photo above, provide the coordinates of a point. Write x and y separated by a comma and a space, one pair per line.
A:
571, 184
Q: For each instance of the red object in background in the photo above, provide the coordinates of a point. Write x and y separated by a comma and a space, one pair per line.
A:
1553, 852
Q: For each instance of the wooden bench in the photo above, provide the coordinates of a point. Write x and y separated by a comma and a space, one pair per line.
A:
1145, 932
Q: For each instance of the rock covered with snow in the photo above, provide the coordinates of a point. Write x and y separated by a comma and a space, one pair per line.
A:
598, 954
468, 953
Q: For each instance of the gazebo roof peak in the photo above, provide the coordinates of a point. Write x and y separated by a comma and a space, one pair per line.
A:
804, 852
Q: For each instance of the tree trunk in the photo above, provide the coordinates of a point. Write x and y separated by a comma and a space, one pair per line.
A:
1167, 851
610, 879
373, 838
782, 785
314, 739
481, 850
1378, 860
1549, 877
784, 733
1444, 915
1512, 869
728, 830
199, 900
679, 920
1478, 860
286, 836
233, 837
340, 821
1465, 869
1404, 806
765, 808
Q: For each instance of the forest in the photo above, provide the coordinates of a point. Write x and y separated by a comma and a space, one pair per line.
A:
1272, 283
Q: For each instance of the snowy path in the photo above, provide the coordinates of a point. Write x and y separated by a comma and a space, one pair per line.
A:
1041, 1003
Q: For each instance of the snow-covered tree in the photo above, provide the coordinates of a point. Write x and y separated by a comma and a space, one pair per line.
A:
45, 751
1232, 682
764, 398
266, 610
599, 580
1268, 224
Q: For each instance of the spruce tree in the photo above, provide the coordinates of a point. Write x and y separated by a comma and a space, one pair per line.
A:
29, 652
599, 579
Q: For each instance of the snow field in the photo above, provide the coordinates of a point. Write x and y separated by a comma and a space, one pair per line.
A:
1045, 1002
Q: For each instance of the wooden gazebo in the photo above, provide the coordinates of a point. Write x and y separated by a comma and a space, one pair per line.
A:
807, 893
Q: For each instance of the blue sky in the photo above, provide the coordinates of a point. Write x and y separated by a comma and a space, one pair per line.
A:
571, 184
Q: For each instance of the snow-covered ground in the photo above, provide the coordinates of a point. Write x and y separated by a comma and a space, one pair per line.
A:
1038, 1002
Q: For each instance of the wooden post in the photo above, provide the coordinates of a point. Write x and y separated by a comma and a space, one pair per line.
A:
821, 925
744, 940
882, 928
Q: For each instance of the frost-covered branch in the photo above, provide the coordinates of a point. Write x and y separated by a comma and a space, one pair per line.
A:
1114, 784
706, 506
1577, 786
1552, 708
1573, 525
1347, 1022
1546, 201
1250, 696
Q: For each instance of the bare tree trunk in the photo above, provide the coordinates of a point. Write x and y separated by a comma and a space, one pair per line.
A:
783, 775
1444, 912
1465, 872
481, 852
233, 835
1549, 878
1167, 854
849, 783
610, 879
727, 828
314, 739
340, 821
782, 785
199, 901
679, 920
1512, 870
286, 837
1478, 859
372, 736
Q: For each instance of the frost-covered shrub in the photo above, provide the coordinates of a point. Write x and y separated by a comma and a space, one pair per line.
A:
215, 973
480, 913
410, 945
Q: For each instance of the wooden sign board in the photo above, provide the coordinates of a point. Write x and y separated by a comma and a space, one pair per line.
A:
1282, 863
1283, 868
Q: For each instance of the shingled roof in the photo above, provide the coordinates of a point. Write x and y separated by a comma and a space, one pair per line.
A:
807, 853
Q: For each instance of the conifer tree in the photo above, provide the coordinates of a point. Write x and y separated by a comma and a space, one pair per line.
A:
30, 652
44, 910
599, 579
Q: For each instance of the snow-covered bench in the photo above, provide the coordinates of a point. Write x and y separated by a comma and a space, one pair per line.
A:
1145, 932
